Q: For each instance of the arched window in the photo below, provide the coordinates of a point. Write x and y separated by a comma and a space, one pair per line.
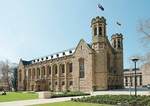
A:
100, 30
70, 67
56, 83
33, 73
20, 77
62, 68
70, 83
114, 43
29, 73
38, 71
63, 83
140, 80
43, 70
126, 81
49, 70
119, 45
81, 68
55, 69
95, 31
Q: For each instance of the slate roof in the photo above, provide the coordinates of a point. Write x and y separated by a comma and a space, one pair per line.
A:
26, 62
52, 56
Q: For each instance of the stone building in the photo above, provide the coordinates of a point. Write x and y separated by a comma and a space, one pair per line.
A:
87, 67
129, 78
146, 73
142, 74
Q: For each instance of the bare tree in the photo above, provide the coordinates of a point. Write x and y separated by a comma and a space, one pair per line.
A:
144, 29
5, 73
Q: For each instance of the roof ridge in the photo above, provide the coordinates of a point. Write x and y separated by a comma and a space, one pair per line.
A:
53, 53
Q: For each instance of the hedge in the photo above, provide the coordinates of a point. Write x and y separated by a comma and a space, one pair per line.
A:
115, 99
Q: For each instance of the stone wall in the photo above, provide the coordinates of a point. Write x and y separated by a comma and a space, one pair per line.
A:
146, 73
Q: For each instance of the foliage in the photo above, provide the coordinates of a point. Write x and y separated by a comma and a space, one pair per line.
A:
114, 99
5, 71
6, 75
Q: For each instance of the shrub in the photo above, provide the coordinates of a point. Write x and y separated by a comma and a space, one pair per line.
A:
114, 99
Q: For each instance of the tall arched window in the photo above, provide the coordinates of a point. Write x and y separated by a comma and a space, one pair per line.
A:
95, 31
55, 69
70, 67
49, 70
20, 77
29, 73
114, 43
100, 30
38, 71
81, 68
33, 73
119, 45
43, 70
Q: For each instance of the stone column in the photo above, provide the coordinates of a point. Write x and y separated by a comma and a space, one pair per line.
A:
97, 29
65, 67
41, 73
52, 82
58, 76
46, 71
35, 74
27, 78
32, 74
37, 71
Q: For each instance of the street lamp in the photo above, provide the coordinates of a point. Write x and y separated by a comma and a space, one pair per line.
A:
135, 80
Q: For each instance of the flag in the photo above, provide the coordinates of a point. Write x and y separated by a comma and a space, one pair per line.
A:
100, 7
118, 23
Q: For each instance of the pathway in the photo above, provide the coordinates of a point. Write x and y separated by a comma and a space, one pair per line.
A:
52, 100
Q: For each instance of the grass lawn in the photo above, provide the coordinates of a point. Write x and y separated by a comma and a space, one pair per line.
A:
69, 103
14, 96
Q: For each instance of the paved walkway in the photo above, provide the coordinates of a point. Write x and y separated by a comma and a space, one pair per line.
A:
35, 101
121, 93
52, 100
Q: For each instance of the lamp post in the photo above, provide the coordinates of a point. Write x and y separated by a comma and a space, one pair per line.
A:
135, 80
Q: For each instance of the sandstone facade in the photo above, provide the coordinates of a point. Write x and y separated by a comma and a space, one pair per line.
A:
146, 73
87, 67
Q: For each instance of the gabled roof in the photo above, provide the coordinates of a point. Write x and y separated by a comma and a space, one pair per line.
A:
49, 57
56, 55
88, 45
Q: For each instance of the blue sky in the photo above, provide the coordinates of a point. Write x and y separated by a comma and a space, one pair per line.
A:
35, 28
